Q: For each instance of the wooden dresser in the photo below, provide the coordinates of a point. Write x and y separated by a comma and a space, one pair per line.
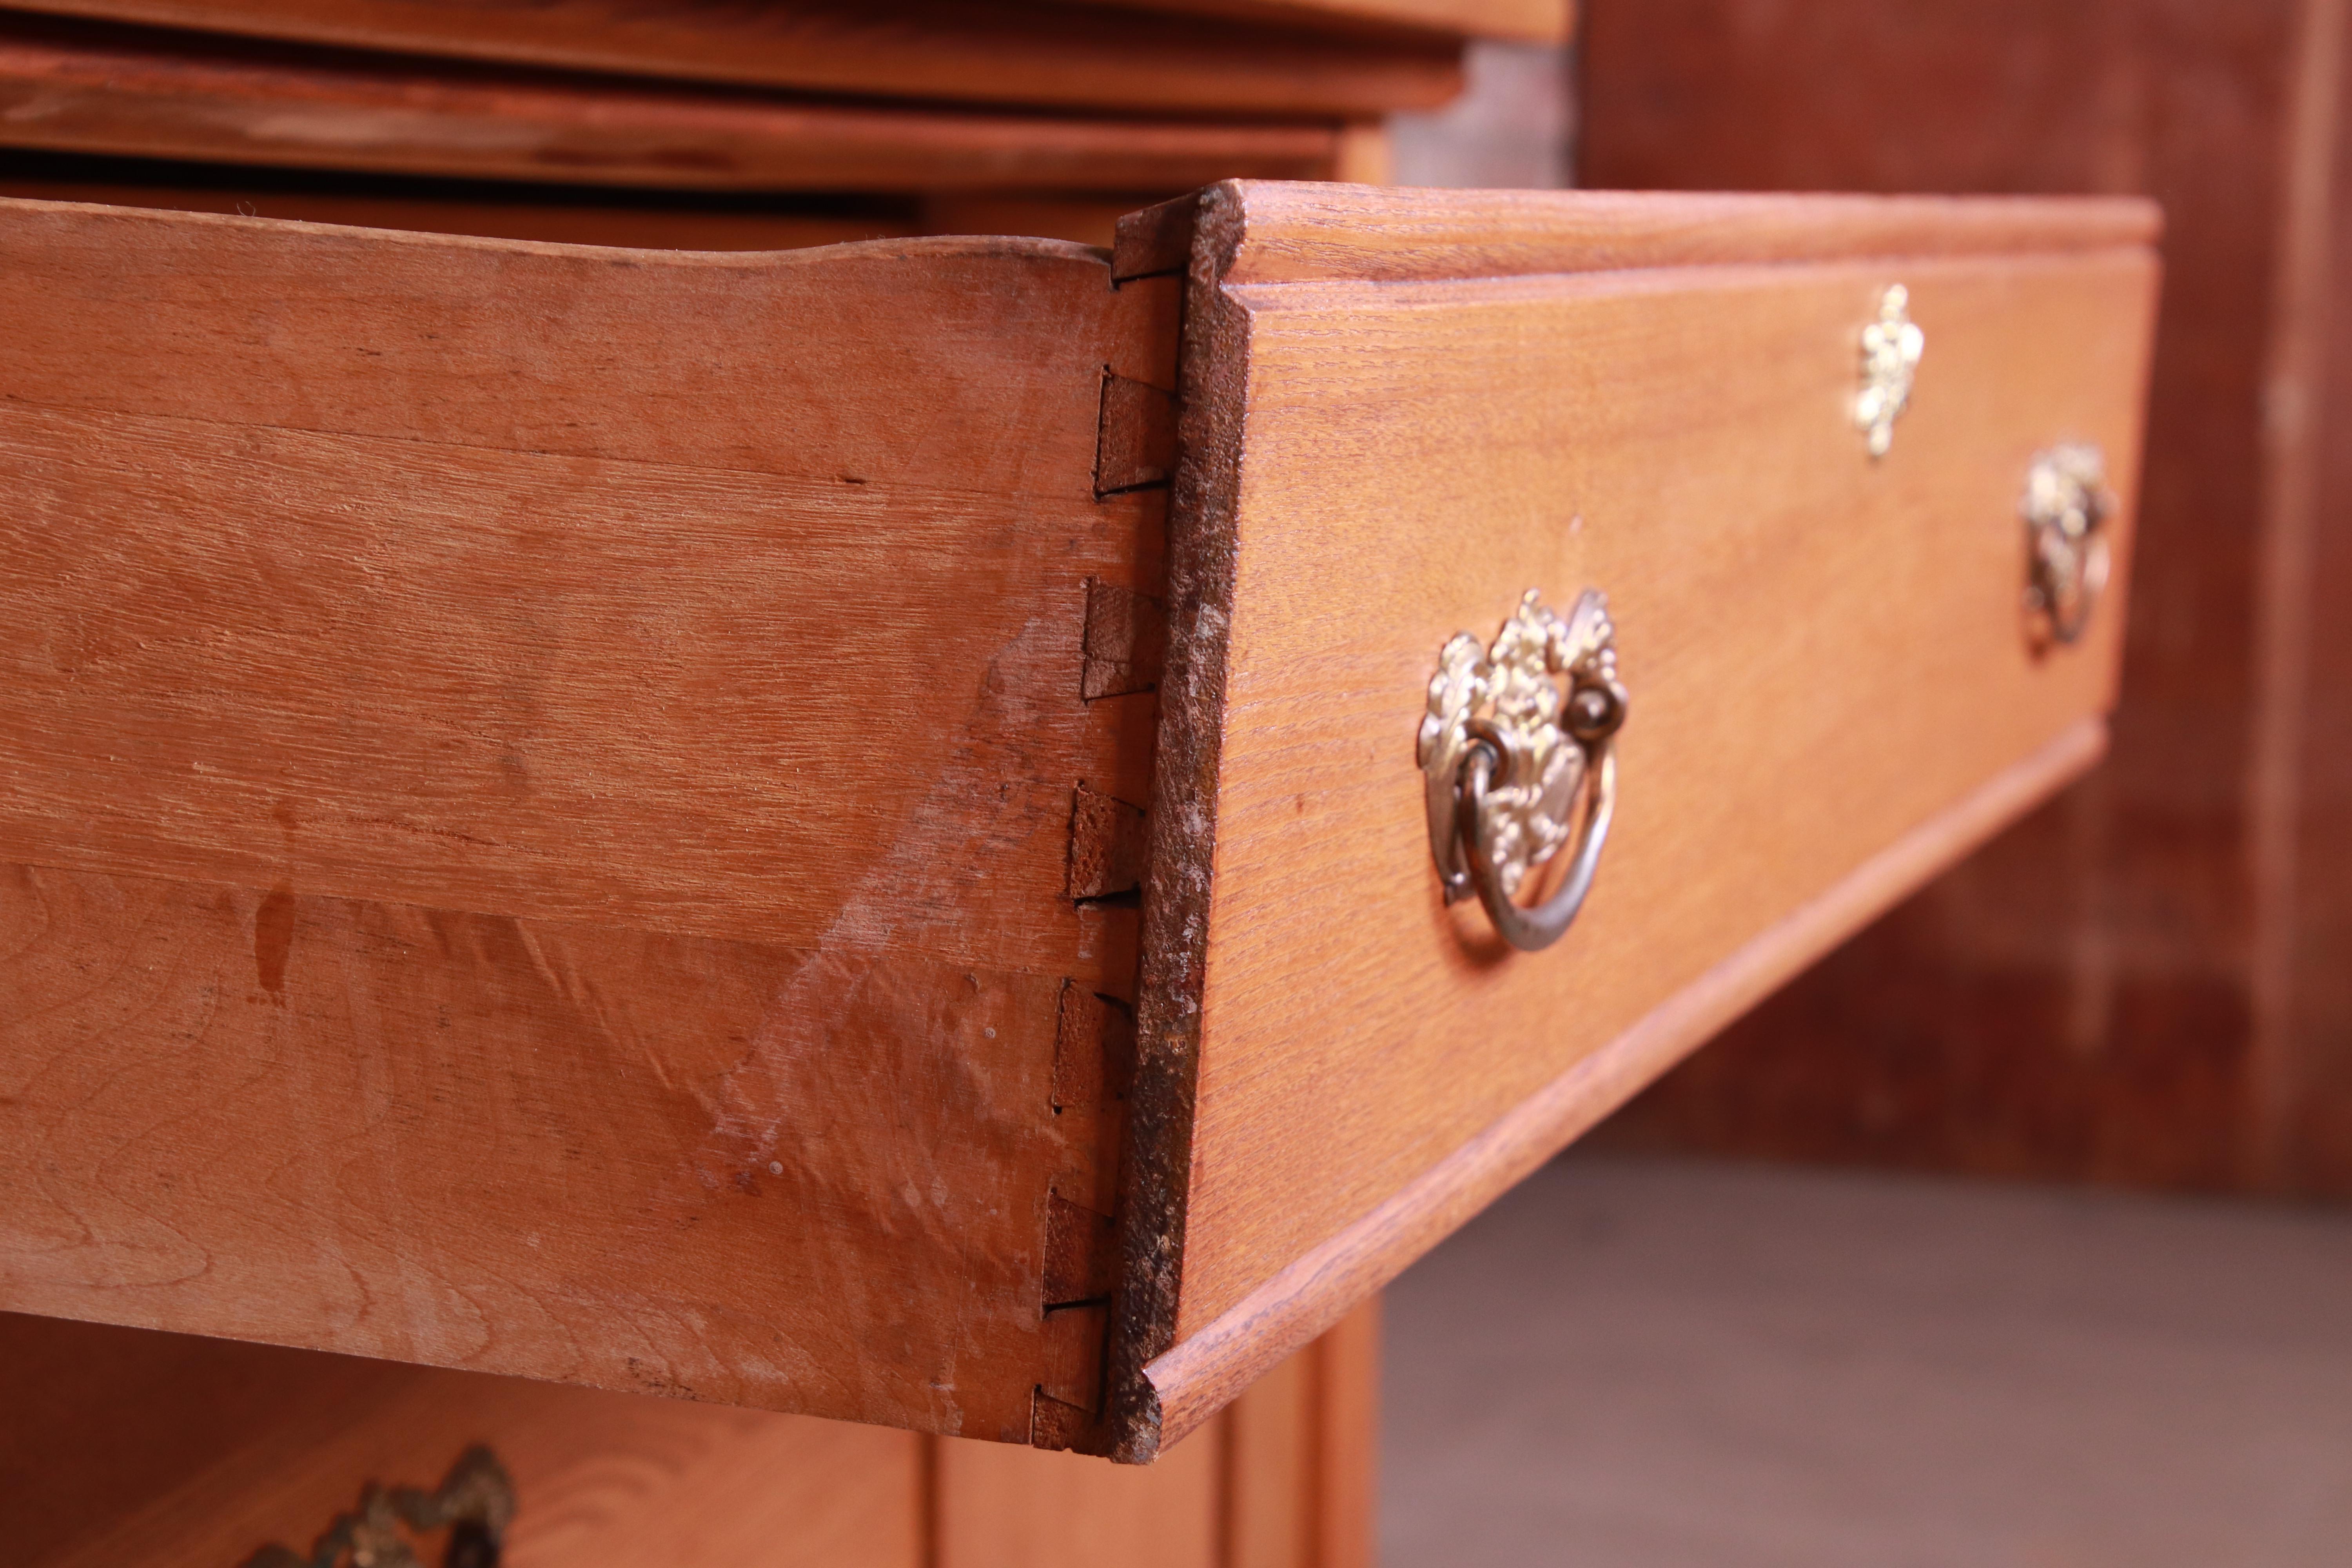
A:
627, 765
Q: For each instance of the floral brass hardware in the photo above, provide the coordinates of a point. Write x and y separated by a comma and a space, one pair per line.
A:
475, 1503
1508, 757
1891, 347
2066, 508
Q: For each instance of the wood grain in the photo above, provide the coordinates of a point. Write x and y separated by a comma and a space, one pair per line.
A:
390, 597
1826, 653
1284, 232
1315, 1292
960, 51
580, 1152
253, 1445
382, 600
1001, 1507
91, 90
663, 227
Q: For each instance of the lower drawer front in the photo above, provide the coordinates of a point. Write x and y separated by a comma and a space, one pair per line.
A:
1834, 684
126, 1449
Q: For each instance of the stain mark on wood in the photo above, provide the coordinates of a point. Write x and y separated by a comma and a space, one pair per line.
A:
273, 940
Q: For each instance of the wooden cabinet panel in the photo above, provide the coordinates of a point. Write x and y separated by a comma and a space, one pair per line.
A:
596, 813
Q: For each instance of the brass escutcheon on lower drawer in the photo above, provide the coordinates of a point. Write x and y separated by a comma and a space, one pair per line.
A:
474, 1503
1509, 758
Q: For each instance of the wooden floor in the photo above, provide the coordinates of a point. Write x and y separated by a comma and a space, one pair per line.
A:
1668, 1364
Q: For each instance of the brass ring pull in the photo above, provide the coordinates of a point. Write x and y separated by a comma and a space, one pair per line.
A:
1517, 769
2066, 508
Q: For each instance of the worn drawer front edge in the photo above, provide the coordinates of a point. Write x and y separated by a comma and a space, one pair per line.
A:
1310, 307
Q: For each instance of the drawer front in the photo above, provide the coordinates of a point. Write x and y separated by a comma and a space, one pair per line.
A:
1834, 685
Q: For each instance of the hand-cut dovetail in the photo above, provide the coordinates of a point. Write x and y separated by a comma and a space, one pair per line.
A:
1154, 241
1093, 1049
1071, 1369
1107, 847
1136, 441
1053, 1425
1081, 1253
1126, 641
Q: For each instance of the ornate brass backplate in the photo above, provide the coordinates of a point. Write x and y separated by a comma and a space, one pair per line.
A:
2066, 508
1891, 347
1507, 755
475, 1503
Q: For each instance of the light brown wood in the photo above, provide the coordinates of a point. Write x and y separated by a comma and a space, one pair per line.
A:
1347, 1440
1003, 1506
251, 1445
592, 590
1825, 654
122, 94
1284, 233
953, 50
1301, 1454
1313, 1293
1270, 1462
440, 667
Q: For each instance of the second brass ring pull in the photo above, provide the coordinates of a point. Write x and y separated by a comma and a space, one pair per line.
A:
1518, 769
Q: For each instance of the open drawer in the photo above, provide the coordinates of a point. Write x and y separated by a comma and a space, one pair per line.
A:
846, 830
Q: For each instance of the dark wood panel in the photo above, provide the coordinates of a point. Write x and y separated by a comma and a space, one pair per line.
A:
2141, 984
974, 51
95, 90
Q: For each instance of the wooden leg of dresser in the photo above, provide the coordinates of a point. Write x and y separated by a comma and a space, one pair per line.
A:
1285, 1479
1301, 1450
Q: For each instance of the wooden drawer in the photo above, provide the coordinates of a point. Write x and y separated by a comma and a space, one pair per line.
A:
620, 816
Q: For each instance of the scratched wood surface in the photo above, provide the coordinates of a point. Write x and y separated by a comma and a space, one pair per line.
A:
949, 51
95, 89
539, 804
1824, 653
